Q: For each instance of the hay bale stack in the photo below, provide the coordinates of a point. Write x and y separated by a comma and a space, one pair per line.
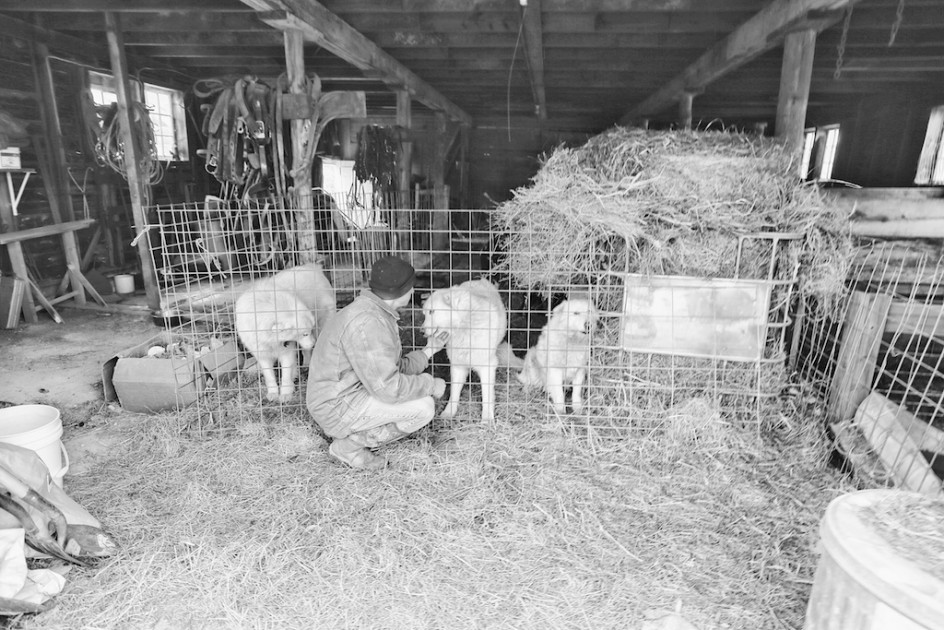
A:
668, 202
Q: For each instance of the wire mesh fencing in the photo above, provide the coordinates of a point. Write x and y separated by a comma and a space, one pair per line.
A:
874, 366
606, 353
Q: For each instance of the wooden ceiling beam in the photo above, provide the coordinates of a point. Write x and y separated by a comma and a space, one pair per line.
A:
205, 22
330, 32
636, 6
76, 49
757, 35
261, 38
533, 34
122, 6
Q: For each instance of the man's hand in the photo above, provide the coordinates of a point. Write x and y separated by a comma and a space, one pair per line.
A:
439, 387
435, 343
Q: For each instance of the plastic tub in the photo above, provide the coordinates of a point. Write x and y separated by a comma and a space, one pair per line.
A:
879, 569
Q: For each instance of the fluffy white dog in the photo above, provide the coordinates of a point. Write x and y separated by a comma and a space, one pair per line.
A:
280, 314
473, 317
562, 352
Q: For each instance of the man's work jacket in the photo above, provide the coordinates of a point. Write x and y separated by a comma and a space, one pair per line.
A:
358, 355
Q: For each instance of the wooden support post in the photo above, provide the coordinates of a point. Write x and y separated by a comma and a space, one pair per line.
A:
73, 265
685, 110
795, 74
53, 167
8, 220
301, 177
465, 197
401, 215
859, 345
137, 183
21, 271
441, 219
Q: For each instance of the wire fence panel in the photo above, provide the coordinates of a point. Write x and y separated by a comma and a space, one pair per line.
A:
607, 354
876, 362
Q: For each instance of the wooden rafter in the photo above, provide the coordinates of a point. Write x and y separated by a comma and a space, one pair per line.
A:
76, 47
327, 30
534, 53
122, 6
757, 35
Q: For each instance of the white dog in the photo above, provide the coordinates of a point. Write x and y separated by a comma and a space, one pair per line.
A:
280, 314
562, 352
473, 317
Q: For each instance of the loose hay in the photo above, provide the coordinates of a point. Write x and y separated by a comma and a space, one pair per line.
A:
529, 522
669, 202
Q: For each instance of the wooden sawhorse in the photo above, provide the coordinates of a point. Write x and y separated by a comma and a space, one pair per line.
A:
78, 283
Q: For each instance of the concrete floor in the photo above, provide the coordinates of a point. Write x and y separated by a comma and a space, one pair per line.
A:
61, 364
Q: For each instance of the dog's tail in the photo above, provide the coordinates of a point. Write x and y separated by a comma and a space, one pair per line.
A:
507, 358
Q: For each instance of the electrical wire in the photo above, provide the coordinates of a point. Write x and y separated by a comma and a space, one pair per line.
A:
510, 69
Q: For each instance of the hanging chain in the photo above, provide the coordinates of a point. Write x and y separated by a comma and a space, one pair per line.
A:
841, 53
899, 14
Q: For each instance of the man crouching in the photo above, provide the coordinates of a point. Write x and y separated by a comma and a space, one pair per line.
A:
361, 391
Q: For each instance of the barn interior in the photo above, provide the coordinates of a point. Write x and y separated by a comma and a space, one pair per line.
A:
780, 161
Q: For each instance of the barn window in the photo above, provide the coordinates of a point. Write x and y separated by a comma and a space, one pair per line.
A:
819, 152
166, 108
931, 163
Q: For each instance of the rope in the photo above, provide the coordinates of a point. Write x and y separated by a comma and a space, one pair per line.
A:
841, 52
376, 158
510, 69
86, 211
110, 149
899, 15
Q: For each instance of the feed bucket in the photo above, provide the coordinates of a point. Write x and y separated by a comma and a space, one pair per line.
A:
124, 283
879, 568
38, 428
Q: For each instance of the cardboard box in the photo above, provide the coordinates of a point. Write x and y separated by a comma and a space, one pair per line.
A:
10, 158
147, 384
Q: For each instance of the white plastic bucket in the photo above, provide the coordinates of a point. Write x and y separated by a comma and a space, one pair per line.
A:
124, 283
873, 574
38, 428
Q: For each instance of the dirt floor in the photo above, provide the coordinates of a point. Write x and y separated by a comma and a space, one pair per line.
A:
61, 364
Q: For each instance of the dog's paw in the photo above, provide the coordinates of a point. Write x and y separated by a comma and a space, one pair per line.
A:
559, 409
273, 395
286, 395
576, 407
449, 412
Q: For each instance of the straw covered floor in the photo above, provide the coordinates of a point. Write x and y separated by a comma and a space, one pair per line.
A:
528, 522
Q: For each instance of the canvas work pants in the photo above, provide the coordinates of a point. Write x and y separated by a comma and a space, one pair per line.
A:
380, 423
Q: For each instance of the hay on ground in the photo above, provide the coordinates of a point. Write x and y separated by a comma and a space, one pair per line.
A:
532, 521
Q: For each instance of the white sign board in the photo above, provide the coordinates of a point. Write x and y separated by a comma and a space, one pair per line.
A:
700, 317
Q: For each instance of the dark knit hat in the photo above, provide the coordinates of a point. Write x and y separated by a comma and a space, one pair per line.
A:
391, 277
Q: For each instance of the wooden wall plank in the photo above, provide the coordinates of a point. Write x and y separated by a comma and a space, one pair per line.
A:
858, 351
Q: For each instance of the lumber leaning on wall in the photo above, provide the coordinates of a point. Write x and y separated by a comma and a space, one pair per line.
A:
878, 419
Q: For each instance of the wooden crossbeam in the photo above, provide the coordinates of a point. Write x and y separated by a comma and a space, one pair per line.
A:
124, 6
756, 36
322, 27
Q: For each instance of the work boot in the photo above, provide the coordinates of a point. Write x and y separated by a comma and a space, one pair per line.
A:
355, 456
